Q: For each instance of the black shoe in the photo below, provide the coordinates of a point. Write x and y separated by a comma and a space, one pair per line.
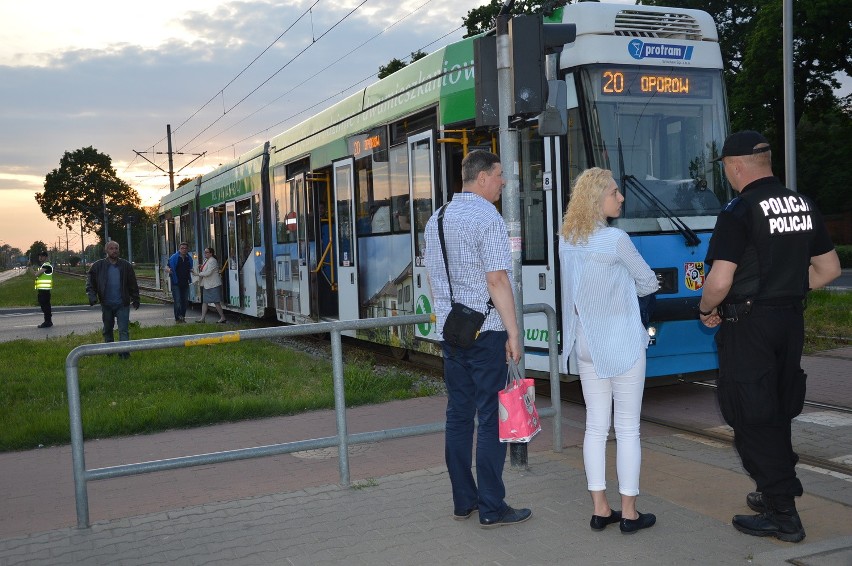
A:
45, 325
510, 517
643, 521
599, 523
755, 502
465, 513
786, 527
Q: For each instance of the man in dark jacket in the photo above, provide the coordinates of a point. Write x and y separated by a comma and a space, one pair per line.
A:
112, 281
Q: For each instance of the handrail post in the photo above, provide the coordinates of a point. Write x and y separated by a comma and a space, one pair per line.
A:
77, 454
340, 405
555, 397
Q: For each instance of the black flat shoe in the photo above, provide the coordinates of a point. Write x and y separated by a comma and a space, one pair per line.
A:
599, 523
643, 521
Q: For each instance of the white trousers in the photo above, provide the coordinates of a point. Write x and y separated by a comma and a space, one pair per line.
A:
626, 393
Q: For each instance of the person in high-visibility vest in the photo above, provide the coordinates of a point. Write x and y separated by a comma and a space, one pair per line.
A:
43, 284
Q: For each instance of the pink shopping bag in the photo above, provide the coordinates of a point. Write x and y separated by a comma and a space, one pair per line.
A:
518, 415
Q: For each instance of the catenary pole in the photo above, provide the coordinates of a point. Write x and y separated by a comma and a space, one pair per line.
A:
789, 102
511, 191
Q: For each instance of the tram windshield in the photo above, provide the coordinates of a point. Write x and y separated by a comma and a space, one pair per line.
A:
657, 128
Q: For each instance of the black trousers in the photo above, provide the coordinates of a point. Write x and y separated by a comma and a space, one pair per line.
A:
761, 389
44, 303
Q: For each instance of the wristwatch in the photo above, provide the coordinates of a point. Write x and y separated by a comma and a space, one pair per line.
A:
702, 313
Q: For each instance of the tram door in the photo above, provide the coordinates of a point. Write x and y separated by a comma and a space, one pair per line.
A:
347, 257
233, 274
297, 188
421, 169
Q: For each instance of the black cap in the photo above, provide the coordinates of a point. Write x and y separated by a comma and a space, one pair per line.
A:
743, 143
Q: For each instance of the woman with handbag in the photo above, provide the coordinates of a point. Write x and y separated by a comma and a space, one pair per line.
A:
602, 276
211, 286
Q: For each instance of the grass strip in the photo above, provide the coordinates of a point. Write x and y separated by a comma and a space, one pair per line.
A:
174, 388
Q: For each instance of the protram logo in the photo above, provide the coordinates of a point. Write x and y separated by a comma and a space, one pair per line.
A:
638, 49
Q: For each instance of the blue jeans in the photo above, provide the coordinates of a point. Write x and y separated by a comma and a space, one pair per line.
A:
473, 377
109, 314
180, 295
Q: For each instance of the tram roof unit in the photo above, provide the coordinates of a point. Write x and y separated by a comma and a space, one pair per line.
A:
444, 78
231, 179
641, 35
173, 201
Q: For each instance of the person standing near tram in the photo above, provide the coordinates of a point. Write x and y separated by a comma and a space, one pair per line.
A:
43, 286
179, 269
770, 246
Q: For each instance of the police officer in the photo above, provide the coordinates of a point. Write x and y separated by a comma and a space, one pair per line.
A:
768, 249
43, 284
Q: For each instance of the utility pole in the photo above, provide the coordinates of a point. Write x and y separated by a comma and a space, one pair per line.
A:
170, 153
171, 165
106, 222
511, 194
789, 101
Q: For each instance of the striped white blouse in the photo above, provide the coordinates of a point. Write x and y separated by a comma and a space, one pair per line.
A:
601, 281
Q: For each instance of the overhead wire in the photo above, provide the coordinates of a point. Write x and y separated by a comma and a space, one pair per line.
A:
323, 101
258, 87
330, 65
221, 91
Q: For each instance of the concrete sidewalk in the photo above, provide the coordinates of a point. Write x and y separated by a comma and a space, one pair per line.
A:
290, 510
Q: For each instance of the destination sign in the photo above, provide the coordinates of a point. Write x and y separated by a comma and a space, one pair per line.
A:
630, 82
373, 142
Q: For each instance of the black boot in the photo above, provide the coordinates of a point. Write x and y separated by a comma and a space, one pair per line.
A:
754, 500
780, 519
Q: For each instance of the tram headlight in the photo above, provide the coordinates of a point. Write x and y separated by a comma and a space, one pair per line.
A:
652, 335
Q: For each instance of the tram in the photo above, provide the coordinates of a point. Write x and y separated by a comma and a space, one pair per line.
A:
326, 220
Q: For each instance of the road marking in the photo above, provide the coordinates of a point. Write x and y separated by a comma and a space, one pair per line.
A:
703, 440
838, 475
826, 418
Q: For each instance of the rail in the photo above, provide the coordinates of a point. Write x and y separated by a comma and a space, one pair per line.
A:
343, 438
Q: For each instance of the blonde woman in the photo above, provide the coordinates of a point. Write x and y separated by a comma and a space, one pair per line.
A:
211, 285
602, 277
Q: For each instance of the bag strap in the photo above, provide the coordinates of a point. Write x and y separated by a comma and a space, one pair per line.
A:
444, 248
513, 374
490, 303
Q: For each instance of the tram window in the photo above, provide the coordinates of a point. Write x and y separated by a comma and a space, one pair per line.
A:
383, 193
285, 208
255, 219
187, 230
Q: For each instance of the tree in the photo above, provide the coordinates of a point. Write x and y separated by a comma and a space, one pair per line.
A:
37, 247
750, 33
484, 18
395, 64
84, 184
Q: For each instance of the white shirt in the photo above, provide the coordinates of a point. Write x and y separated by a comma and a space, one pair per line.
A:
601, 282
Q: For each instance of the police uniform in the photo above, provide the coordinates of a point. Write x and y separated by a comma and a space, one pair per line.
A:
44, 284
770, 233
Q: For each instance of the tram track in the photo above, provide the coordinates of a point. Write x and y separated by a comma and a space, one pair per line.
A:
813, 404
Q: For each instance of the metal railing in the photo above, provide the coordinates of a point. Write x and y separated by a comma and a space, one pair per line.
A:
342, 440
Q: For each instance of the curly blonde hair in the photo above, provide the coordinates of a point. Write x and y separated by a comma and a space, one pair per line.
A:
583, 212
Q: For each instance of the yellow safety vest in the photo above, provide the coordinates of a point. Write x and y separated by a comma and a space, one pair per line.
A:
44, 282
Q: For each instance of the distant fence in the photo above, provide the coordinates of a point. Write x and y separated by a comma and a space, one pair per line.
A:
342, 440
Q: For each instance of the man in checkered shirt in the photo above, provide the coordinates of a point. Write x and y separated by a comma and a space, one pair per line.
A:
480, 263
